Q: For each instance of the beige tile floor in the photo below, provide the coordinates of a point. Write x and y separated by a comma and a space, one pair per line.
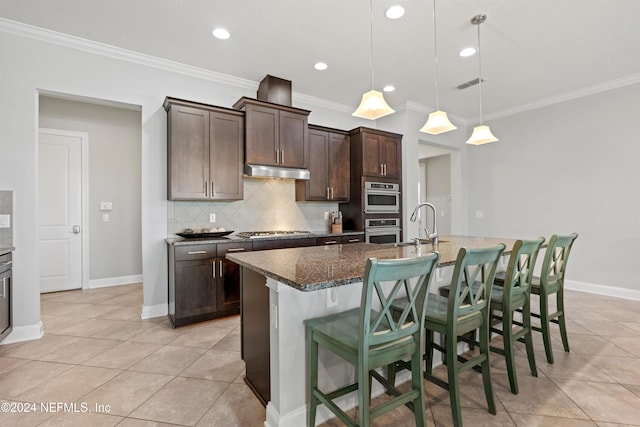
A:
97, 353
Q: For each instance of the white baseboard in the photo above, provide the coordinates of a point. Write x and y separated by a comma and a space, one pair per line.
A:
150, 311
611, 291
24, 333
114, 281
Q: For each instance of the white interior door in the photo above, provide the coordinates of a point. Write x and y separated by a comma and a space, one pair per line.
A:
60, 173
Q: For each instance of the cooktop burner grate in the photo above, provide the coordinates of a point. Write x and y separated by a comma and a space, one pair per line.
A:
258, 234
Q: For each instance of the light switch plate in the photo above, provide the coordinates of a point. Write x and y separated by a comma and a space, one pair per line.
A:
106, 206
5, 221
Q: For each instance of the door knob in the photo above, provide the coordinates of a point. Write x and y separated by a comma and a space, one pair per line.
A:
76, 229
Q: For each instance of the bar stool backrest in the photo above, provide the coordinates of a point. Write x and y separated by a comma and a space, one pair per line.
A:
410, 278
555, 261
519, 274
472, 280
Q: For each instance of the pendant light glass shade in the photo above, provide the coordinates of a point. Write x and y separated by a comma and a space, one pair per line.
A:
481, 135
437, 123
373, 106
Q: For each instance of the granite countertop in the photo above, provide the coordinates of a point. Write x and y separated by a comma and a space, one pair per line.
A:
6, 249
320, 267
179, 241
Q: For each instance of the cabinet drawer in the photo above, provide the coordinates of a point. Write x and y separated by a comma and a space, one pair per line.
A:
329, 240
353, 239
189, 252
5, 262
233, 247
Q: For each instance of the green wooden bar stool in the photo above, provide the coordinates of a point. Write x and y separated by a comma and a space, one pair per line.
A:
511, 293
551, 281
466, 309
369, 337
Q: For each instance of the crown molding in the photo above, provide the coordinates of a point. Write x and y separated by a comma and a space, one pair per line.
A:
98, 48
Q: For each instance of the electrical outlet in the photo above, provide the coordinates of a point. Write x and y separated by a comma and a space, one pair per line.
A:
326, 216
479, 214
212, 217
332, 297
105, 217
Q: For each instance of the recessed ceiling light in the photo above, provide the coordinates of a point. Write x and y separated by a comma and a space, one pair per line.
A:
395, 12
389, 88
221, 33
467, 51
320, 66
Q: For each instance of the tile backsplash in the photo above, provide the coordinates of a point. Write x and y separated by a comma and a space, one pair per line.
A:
6, 208
269, 204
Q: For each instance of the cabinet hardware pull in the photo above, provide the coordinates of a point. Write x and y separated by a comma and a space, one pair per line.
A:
221, 272
328, 198
354, 240
4, 291
206, 187
235, 249
211, 192
330, 242
277, 157
196, 252
331, 193
381, 169
213, 269
385, 169
7, 263
281, 156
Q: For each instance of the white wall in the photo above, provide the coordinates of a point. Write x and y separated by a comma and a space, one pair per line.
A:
114, 176
31, 64
570, 167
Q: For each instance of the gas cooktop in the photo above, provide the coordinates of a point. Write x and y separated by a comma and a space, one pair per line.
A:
259, 234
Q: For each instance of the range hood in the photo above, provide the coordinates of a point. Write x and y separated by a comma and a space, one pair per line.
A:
262, 171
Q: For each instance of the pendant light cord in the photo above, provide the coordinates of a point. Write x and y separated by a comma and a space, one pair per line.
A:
435, 49
371, 40
480, 71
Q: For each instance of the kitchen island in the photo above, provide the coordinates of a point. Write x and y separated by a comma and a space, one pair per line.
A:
282, 288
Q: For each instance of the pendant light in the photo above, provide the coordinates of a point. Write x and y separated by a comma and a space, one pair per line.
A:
481, 134
373, 106
438, 121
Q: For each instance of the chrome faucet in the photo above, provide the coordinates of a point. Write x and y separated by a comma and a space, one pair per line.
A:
431, 236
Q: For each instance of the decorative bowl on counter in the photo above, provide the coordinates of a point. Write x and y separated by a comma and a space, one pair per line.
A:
203, 235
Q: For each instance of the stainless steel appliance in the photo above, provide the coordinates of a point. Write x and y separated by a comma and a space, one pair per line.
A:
381, 197
382, 230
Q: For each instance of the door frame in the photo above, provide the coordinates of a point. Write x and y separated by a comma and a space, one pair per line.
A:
84, 193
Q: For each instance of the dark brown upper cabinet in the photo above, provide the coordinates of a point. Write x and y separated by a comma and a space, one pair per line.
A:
329, 166
205, 151
379, 152
276, 135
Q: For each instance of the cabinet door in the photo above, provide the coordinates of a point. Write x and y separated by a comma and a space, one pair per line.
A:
339, 166
371, 161
317, 185
195, 288
262, 134
188, 153
293, 139
226, 156
5, 303
392, 157
228, 285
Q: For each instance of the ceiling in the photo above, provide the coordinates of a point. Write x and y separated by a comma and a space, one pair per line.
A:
533, 52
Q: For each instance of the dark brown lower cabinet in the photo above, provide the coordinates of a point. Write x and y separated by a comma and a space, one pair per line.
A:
6, 284
203, 284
